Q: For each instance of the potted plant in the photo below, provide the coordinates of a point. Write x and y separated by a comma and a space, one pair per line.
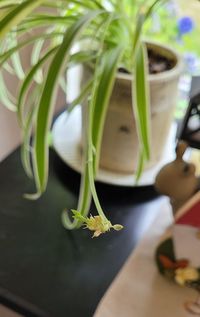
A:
120, 146
105, 34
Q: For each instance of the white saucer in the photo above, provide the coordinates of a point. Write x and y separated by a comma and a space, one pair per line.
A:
66, 141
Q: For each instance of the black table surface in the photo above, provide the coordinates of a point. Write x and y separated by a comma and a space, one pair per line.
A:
46, 270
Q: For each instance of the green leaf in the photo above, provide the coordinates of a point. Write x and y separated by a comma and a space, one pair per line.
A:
16, 60
5, 56
85, 195
36, 21
26, 145
27, 82
142, 16
101, 73
6, 3
35, 56
83, 57
17, 66
5, 96
94, 4
84, 92
103, 92
15, 16
8, 68
45, 111
140, 96
140, 166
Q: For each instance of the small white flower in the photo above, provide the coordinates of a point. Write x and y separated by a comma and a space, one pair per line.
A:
187, 274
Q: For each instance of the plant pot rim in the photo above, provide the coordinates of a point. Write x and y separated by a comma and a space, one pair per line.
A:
166, 75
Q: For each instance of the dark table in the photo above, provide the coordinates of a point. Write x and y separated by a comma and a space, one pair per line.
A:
46, 270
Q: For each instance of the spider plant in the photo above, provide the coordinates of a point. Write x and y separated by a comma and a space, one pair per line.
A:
108, 35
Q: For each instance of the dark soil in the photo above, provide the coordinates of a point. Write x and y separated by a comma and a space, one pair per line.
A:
157, 63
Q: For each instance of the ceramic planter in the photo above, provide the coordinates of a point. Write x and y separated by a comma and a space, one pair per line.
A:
120, 146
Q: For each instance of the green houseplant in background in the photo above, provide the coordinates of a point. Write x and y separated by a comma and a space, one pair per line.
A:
108, 34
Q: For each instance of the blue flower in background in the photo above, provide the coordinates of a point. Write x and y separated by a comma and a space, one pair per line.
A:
185, 25
191, 61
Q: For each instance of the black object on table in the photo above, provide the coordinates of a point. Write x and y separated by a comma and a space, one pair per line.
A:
46, 271
189, 127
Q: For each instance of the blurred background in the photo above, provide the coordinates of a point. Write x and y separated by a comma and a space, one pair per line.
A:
176, 23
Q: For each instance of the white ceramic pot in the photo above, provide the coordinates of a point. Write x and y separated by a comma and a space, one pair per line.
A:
120, 146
